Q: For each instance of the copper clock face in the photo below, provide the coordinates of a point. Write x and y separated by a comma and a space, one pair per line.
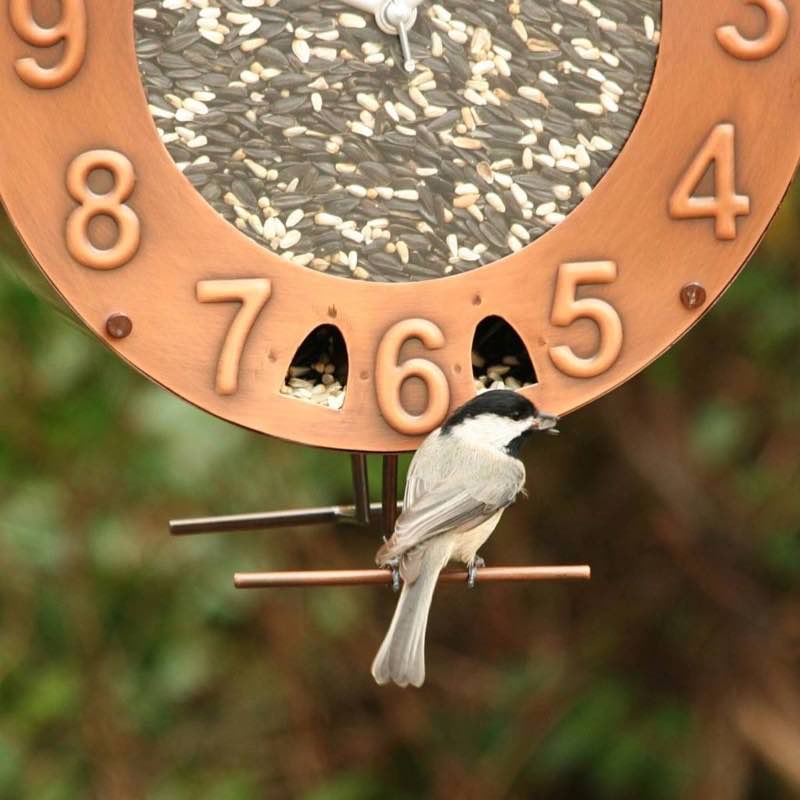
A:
299, 124
267, 208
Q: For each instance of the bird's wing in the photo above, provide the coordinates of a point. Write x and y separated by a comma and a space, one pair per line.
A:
447, 507
418, 482
438, 512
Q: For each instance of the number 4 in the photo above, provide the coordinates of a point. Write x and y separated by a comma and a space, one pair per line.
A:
719, 151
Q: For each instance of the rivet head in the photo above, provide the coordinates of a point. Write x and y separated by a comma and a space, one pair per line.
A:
119, 326
693, 296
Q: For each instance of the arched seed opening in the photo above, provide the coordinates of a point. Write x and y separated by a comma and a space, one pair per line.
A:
500, 359
318, 373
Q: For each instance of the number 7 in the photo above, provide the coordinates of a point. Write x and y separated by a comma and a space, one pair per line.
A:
253, 294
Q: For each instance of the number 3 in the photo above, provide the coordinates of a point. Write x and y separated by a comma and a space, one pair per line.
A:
70, 29
567, 308
765, 45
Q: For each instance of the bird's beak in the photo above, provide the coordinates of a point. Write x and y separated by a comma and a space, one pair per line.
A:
546, 423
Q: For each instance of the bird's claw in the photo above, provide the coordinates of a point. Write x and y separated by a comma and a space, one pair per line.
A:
472, 570
394, 566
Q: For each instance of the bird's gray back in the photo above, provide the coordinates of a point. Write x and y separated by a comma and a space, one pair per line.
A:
485, 473
454, 486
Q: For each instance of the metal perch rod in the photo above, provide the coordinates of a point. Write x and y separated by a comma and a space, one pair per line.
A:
270, 519
375, 577
362, 513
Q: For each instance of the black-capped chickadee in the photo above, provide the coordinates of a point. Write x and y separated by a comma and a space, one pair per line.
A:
461, 479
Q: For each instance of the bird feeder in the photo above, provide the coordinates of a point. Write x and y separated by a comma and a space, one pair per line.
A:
269, 211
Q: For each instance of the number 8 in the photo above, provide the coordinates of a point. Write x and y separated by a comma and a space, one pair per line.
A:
94, 205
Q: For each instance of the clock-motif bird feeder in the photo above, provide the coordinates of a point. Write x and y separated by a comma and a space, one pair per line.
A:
334, 221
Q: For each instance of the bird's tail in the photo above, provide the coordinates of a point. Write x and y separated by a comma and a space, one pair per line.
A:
401, 657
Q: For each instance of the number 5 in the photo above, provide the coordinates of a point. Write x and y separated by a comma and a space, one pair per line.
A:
567, 308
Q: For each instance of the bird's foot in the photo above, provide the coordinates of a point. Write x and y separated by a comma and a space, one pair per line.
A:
394, 566
472, 570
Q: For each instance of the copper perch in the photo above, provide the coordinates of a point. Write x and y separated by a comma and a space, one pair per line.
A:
374, 577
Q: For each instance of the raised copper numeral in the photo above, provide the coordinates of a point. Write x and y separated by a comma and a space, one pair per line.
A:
70, 29
111, 204
391, 375
775, 33
726, 205
568, 308
253, 294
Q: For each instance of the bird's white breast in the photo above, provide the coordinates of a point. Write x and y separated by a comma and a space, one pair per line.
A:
467, 544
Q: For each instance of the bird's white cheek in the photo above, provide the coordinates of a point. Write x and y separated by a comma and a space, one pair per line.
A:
494, 430
523, 427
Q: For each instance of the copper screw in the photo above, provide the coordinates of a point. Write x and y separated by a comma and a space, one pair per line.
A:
693, 295
119, 326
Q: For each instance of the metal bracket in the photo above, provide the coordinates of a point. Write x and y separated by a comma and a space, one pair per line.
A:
362, 513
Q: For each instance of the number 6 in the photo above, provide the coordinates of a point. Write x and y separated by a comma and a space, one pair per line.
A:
390, 377
567, 308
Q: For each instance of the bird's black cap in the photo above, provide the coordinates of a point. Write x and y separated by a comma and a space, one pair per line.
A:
504, 403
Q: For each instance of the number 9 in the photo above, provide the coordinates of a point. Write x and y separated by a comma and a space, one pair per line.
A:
71, 29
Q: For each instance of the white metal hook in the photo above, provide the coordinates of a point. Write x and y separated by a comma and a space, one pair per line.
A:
395, 17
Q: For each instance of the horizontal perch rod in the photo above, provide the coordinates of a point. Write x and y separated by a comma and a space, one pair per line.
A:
373, 577
270, 519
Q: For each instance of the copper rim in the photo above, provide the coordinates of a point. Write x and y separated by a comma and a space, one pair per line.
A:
176, 340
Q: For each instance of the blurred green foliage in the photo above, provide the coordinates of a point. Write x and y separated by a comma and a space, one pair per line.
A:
129, 666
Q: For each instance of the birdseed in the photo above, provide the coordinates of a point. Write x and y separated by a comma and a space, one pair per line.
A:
296, 122
500, 359
318, 373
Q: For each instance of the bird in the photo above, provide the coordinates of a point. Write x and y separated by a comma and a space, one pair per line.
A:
461, 480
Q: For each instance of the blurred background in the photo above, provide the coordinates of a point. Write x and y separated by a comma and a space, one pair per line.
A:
130, 667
